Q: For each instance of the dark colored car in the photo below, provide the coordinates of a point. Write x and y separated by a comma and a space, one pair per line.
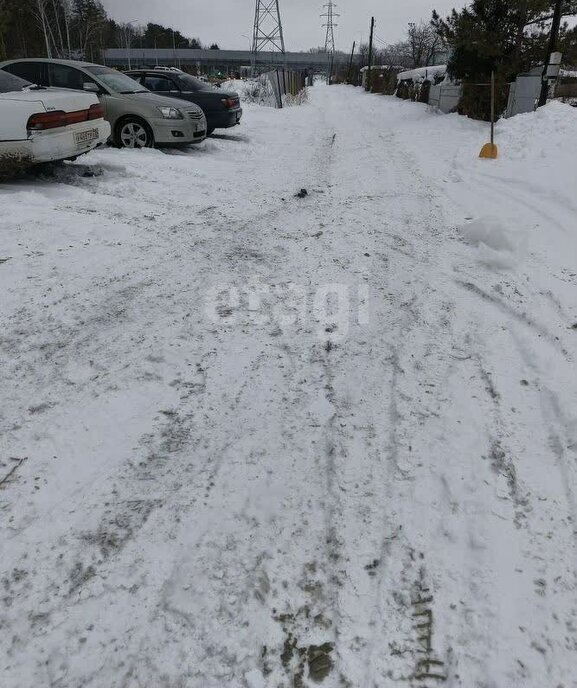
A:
221, 108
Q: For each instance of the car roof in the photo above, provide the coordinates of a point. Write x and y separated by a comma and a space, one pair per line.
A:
157, 68
152, 70
71, 63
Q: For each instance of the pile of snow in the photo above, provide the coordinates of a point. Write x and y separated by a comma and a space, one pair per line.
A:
490, 231
498, 241
548, 136
237, 85
529, 189
257, 91
261, 91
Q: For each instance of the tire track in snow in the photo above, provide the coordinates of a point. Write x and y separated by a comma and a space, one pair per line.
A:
114, 533
561, 429
388, 533
522, 317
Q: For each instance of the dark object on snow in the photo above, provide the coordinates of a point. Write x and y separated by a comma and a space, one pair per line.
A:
92, 172
11, 165
320, 661
302, 193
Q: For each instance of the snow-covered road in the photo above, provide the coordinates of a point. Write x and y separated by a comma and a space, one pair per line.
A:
256, 440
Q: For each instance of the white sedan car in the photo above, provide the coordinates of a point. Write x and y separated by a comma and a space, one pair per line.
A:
39, 125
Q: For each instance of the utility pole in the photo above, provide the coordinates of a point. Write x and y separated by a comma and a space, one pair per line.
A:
369, 72
351, 62
267, 31
551, 48
330, 15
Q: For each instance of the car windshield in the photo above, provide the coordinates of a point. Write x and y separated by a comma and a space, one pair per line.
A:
10, 83
191, 83
116, 81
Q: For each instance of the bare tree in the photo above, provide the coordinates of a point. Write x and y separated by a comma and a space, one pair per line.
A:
397, 54
40, 12
67, 15
89, 20
424, 44
363, 51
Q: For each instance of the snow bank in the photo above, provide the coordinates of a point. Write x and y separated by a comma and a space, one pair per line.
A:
253, 91
549, 134
238, 85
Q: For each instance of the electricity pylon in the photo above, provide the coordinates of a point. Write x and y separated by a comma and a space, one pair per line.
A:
330, 26
267, 33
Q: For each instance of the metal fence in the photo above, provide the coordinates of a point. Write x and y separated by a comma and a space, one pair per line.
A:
513, 98
445, 97
474, 99
288, 87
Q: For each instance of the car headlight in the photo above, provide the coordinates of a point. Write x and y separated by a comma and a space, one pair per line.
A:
170, 113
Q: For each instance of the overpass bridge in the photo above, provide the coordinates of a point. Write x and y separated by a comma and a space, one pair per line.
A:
219, 60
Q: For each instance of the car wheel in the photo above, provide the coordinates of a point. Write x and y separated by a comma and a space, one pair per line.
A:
134, 133
210, 131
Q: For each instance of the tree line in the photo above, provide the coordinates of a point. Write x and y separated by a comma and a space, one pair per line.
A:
507, 37
76, 29
504, 38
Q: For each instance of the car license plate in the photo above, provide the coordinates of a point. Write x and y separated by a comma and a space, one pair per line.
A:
81, 138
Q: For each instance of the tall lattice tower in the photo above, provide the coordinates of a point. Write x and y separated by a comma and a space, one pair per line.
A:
267, 33
330, 26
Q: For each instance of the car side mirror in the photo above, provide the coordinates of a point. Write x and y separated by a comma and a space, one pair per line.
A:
90, 87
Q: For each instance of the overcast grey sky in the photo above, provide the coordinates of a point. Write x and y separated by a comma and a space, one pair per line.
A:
225, 21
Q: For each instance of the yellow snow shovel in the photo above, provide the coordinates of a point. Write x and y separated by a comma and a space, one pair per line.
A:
490, 150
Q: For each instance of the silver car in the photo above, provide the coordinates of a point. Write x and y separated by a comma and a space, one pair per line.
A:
137, 117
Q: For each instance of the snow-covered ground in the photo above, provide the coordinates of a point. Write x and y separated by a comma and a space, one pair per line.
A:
256, 440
